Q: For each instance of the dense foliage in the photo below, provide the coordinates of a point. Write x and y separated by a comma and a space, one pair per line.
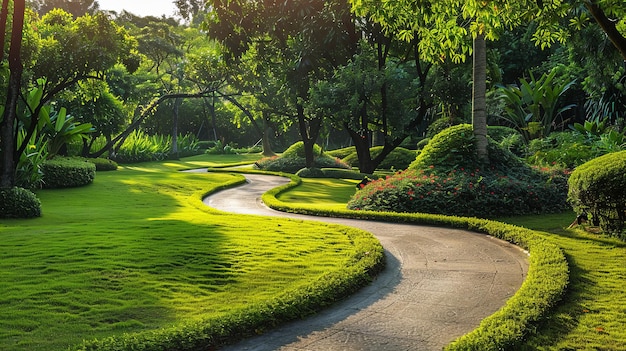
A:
292, 160
399, 158
63, 172
103, 164
19, 203
598, 187
444, 179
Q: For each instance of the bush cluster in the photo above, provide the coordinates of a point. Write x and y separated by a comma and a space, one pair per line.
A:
399, 158
293, 159
64, 172
445, 179
598, 188
103, 164
19, 203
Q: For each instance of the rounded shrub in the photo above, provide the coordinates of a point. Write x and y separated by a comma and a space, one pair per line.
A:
310, 173
598, 187
65, 172
447, 178
341, 153
399, 158
104, 164
19, 203
293, 159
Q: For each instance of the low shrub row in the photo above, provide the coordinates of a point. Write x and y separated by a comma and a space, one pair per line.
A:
293, 160
64, 172
208, 334
547, 278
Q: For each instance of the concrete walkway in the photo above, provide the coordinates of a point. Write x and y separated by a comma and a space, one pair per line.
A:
438, 284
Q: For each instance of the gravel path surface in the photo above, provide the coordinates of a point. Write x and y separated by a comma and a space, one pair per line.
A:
438, 284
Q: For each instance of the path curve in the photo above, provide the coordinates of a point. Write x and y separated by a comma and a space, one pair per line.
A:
439, 283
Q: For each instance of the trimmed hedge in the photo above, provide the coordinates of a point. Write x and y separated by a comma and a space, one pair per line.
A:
293, 160
19, 203
103, 164
598, 187
208, 334
547, 278
63, 172
399, 158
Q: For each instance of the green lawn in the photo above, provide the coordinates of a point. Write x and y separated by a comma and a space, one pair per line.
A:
137, 250
592, 314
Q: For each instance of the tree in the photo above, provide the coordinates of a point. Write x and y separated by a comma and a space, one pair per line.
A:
69, 51
311, 37
76, 8
9, 114
442, 29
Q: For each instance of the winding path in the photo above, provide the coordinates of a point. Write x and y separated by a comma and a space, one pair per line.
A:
438, 284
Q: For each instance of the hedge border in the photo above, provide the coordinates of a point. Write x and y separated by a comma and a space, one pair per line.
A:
545, 283
207, 334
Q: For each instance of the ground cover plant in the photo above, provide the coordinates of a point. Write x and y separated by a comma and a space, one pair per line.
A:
589, 316
137, 252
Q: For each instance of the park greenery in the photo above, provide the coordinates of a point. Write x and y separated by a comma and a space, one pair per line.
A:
329, 93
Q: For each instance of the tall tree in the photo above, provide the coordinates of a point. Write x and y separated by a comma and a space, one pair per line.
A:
8, 155
312, 38
444, 29
70, 50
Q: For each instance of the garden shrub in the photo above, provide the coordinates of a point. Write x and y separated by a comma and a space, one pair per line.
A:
103, 164
342, 153
292, 160
598, 188
64, 172
566, 149
18, 202
447, 178
340, 173
399, 158
310, 173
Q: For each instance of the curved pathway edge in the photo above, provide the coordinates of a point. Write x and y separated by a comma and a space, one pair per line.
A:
438, 284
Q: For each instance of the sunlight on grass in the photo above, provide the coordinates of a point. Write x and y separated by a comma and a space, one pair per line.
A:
592, 315
321, 192
136, 251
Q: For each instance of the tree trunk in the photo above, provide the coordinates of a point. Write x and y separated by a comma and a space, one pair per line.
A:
8, 157
479, 91
309, 131
265, 142
608, 26
174, 151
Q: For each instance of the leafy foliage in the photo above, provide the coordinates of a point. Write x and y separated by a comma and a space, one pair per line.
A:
18, 202
64, 172
533, 108
598, 187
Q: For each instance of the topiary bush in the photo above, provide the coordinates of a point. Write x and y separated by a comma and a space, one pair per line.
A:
103, 164
399, 158
292, 160
598, 187
447, 178
65, 172
342, 153
310, 173
19, 203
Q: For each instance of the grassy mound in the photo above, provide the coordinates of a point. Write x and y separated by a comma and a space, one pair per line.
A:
447, 178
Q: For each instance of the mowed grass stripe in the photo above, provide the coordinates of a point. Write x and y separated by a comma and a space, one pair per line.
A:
134, 251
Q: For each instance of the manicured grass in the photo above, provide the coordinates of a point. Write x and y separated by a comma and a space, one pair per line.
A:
138, 251
591, 314
331, 193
